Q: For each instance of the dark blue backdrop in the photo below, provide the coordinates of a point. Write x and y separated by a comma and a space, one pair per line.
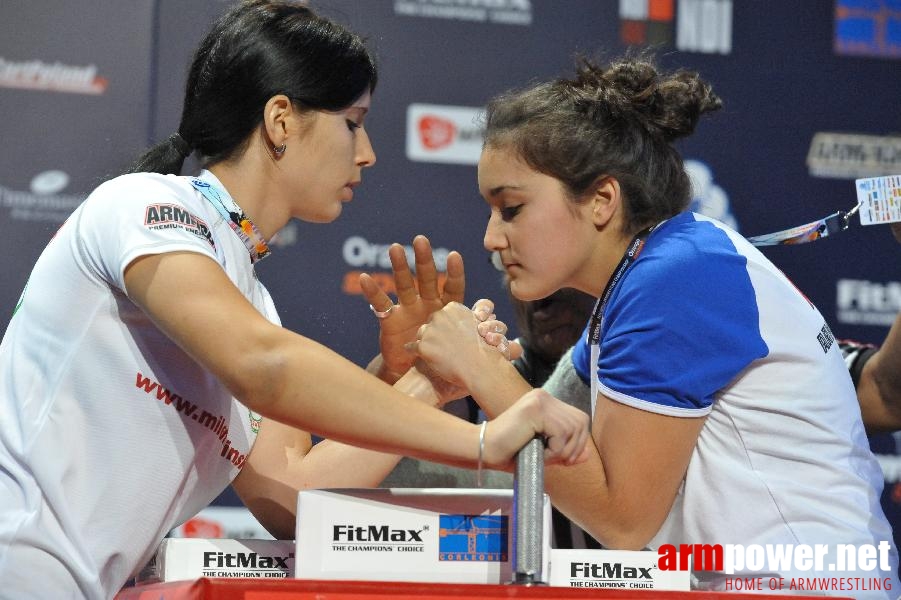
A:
85, 85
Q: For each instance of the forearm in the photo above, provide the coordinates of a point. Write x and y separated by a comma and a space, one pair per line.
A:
615, 511
332, 464
582, 494
326, 393
285, 376
284, 462
496, 386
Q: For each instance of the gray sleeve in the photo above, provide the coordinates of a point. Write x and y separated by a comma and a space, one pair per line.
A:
565, 384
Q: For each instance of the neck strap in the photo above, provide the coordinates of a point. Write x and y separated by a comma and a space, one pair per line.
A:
234, 215
632, 251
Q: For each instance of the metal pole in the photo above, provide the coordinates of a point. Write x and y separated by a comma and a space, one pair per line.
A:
528, 513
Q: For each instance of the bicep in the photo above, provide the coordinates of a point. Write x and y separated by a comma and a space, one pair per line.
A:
645, 457
191, 299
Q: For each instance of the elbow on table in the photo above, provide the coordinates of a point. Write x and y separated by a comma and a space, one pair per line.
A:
627, 540
625, 532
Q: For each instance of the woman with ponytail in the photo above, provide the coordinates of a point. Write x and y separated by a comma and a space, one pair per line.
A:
145, 370
721, 409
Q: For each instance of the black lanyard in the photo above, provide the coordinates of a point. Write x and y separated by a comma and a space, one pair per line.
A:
632, 251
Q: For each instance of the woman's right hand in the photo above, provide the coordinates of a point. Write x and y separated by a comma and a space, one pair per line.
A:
417, 299
564, 428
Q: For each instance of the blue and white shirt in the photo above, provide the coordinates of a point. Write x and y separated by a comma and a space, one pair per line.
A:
702, 324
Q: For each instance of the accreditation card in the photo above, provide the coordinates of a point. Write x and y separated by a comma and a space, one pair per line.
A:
879, 199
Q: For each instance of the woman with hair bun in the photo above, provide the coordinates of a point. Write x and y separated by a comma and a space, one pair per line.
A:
144, 368
722, 412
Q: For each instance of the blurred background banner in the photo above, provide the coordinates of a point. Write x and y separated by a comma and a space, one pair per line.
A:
811, 92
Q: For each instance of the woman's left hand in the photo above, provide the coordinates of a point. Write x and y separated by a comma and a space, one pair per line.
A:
400, 321
493, 331
452, 346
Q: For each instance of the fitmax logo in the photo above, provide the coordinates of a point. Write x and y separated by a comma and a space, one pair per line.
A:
608, 571
245, 560
374, 533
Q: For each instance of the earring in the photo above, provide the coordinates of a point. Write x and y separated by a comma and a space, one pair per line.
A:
279, 150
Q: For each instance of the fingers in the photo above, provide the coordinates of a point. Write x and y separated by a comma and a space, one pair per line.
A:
494, 332
483, 309
426, 272
426, 282
378, 300
413, 347
515, 350
575, 448
500, 342
455, 284
492, 326
403, 277
565, 427
538, 413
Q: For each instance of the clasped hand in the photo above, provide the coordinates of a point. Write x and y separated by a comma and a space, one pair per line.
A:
447, 342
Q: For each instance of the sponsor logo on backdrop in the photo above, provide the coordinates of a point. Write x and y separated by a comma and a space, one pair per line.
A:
703, 26
43, 201
51, 77
502, 12
708, 198
198, 527
473, 538
853, 155
364, 256
230, 522
862, 302
646, 22
870, 28
444, 134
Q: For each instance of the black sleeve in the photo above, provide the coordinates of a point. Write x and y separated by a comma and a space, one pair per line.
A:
856, 355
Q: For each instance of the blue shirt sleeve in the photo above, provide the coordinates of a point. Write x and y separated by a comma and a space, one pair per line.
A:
681, 325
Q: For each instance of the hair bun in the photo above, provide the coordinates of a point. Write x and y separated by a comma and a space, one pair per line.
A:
666, 104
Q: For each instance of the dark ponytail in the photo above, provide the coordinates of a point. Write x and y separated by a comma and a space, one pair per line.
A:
167, 157
256, 50
617, 120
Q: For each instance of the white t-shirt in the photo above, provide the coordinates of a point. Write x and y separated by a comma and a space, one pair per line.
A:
110, 435
702, 324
